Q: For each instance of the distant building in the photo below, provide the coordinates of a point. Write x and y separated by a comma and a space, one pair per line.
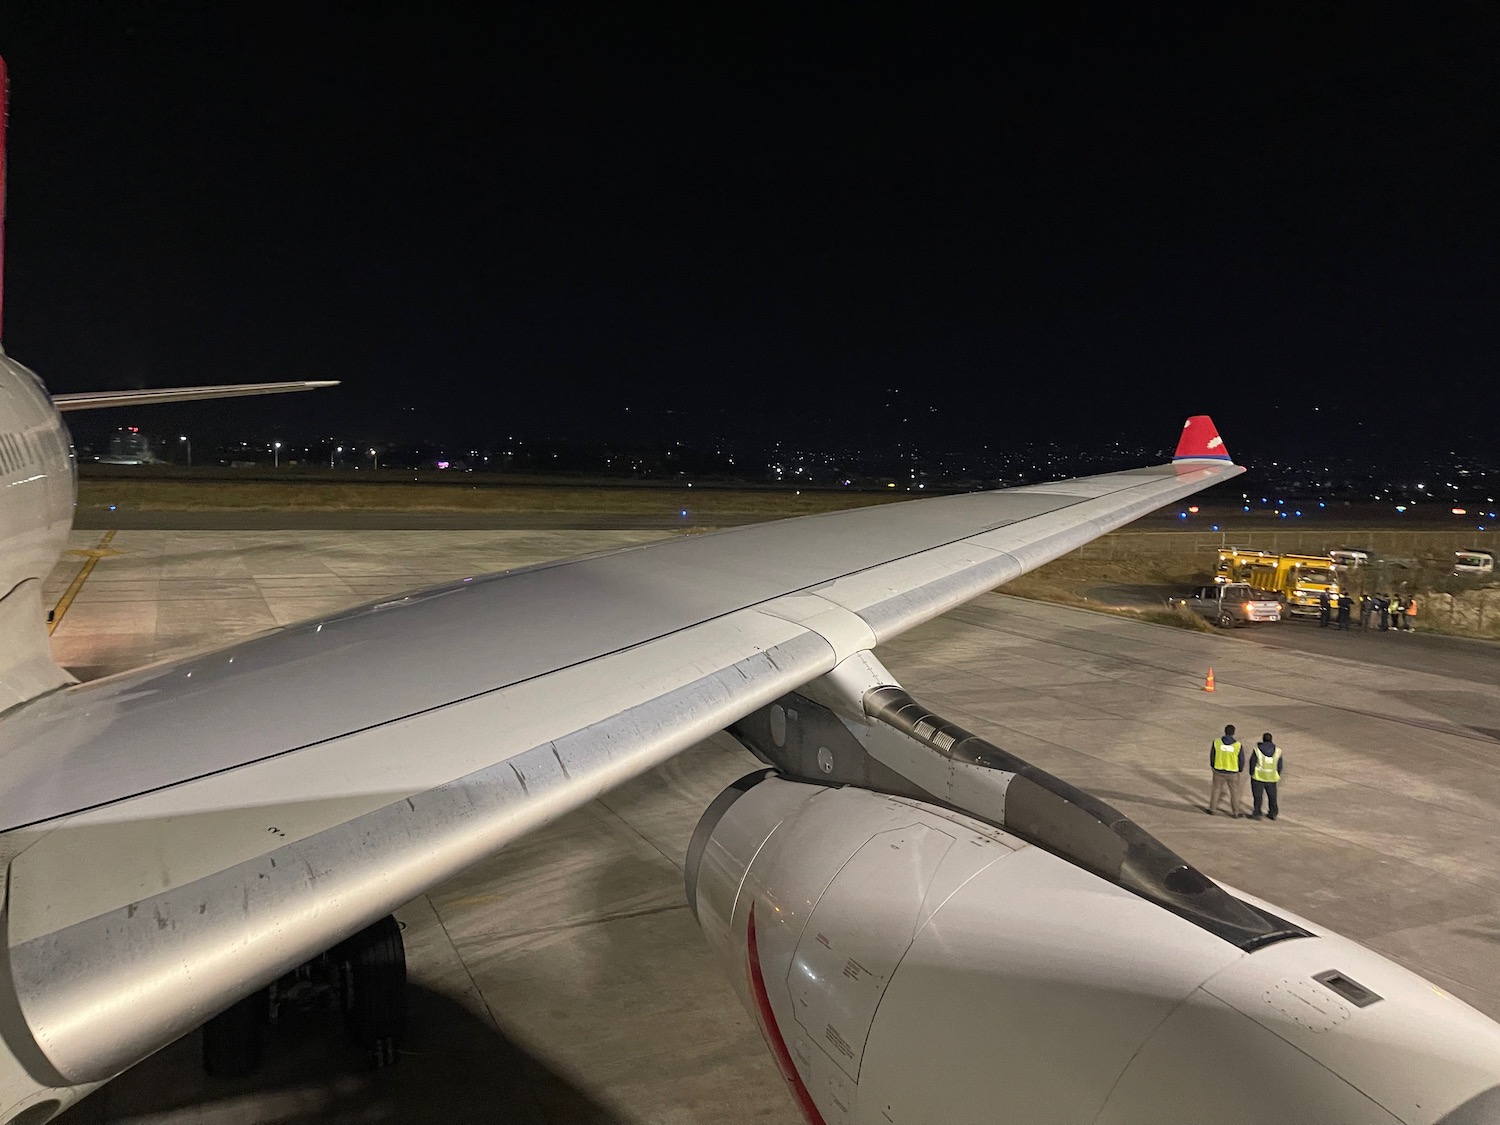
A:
128, 446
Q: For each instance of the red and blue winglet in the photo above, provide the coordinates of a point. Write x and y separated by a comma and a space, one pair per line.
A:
1200, 441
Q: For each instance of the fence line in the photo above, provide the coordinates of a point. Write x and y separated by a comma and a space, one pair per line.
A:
1474, 613
1388, 542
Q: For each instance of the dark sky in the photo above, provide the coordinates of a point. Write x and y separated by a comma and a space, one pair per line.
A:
570, 220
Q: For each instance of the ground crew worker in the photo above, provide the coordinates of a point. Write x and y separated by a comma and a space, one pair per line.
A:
1227, 762
1411, 614
1382, 604
1394, 611
1266, 768
1324, 605
1346, 603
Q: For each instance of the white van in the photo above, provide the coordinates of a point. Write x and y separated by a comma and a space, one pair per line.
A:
1473, 562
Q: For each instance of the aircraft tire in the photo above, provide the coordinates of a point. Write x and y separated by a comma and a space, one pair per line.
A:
374, 993
232, 1039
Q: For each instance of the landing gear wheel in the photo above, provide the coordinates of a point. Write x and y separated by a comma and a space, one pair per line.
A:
373, 966
232, 1039
1226, 621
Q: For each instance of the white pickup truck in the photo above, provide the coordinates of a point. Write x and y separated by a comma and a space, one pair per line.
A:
1473, 562
1233, 603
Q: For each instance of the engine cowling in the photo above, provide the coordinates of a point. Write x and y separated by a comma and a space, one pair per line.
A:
907, 963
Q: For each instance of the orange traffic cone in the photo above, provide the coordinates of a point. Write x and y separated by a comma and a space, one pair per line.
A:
1208, 681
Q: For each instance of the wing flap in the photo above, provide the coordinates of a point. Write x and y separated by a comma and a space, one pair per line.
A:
75, 867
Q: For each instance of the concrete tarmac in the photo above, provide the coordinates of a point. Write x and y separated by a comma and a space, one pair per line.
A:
1415, 651
564, 980
352, 519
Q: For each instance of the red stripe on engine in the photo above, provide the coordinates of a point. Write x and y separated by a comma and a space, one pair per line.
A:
772, 1033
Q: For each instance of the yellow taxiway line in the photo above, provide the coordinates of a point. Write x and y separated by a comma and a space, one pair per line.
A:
71, 592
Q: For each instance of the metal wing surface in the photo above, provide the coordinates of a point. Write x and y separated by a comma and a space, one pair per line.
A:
177, 836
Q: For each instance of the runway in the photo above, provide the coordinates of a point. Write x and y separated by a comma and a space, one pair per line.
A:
564, 979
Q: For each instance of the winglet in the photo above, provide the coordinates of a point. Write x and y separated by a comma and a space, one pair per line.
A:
1200, 441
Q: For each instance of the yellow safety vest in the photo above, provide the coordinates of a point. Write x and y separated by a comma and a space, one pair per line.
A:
1267, 769
1226, 756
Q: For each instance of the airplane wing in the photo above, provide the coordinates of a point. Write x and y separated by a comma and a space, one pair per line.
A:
96, 400
178, 836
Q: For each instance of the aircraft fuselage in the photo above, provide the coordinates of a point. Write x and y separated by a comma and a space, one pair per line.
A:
37, 491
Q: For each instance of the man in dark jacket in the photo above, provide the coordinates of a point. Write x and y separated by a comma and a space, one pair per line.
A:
1346, 603
1325, 604
1226, 758
1267, 768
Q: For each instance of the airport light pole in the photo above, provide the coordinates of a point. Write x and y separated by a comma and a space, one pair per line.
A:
337, 449
184, 441
375, 457
276, 453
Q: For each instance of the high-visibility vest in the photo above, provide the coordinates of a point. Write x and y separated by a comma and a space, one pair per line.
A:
1411, 608
1267, 769
1226, 756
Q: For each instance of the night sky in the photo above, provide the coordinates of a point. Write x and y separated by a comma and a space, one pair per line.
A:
876, 224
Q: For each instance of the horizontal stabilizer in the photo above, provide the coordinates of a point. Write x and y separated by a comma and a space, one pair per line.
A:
95, 400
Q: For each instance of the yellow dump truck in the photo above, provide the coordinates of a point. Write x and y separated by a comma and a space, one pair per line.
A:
1235, 562
1299, 580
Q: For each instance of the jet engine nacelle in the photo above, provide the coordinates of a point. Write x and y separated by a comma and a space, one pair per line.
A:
909, 964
